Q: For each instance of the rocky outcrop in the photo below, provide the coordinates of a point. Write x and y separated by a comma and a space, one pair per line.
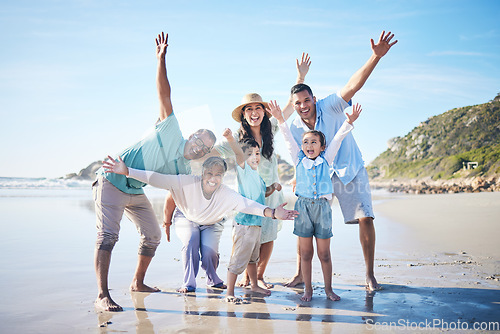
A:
429, 186
88, 173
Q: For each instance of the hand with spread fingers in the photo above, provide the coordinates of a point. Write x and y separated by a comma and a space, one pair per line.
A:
115, 166
356, 110
303, 67
383, 45
161, 45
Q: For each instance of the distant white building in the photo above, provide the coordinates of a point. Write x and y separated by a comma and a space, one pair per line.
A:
470, 165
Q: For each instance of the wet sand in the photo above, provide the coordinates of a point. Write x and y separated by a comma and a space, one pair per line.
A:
439, 266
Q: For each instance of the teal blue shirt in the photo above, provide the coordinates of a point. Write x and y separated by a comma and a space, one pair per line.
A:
252, 186
160, 151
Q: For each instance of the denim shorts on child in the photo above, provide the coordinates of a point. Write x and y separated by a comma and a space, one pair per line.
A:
315, 218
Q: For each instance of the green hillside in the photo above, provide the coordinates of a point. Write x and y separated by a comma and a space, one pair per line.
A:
440, 146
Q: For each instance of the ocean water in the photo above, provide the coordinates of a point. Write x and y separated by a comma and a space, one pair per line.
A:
48, 200
41, 183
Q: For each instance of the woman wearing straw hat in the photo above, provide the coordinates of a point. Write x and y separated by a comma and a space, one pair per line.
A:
256, 124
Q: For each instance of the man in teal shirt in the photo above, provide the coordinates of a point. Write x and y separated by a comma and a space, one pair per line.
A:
165, 151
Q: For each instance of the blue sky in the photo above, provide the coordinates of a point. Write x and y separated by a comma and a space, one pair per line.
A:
77, 78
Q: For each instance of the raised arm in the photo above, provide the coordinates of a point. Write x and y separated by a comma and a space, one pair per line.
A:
162, 83
291, 145
238, 152
359, 78
334, 145
302, 69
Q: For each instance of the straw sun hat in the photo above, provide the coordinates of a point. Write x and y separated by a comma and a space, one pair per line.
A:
247, 99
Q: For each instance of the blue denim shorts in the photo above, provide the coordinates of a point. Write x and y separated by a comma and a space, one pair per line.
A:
315, 218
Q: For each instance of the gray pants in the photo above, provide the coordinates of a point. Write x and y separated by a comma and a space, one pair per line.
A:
110, 204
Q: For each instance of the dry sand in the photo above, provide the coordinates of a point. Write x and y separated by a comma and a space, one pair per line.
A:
437, 258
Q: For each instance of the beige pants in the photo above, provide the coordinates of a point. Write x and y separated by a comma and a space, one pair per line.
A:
246, 247
110, 204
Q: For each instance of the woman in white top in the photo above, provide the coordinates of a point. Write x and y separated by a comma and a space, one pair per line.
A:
203, 202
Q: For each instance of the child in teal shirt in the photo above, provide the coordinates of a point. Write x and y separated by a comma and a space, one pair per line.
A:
246, 230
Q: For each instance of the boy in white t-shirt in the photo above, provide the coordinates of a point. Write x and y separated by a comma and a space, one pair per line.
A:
246, 230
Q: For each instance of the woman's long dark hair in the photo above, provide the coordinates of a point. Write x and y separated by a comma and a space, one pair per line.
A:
265, 131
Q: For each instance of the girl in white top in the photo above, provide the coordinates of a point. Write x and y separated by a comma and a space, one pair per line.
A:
314, 188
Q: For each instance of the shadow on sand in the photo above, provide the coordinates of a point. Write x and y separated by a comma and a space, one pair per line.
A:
399, 305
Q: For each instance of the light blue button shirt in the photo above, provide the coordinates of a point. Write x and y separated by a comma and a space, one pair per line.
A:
329, 118
313, 182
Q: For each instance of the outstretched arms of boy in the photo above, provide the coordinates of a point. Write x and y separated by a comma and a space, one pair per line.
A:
238, 152
162, 84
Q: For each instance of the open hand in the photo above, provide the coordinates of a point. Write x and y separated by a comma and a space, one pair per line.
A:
161, 45
284, 214
275, 110
303, 65
383, 45
115, 166
356, 110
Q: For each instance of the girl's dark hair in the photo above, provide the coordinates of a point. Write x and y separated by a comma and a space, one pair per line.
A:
265, 131
320, 134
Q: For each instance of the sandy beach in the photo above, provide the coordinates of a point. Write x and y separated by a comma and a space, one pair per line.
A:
437, 257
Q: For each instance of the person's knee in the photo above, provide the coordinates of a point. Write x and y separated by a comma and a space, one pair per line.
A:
208, 254
106, 241
366, 228
306, 255
365, 222
148, 246
324, 256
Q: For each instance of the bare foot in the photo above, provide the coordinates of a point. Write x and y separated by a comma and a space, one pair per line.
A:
263, 291
233, 299
141, 287
307, 296
372, 284
244, 282
220, 285
332, 296
107, 304
265, 285
296, 280
186, 290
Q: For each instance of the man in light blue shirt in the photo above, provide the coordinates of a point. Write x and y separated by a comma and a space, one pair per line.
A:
165, 151
349, 177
